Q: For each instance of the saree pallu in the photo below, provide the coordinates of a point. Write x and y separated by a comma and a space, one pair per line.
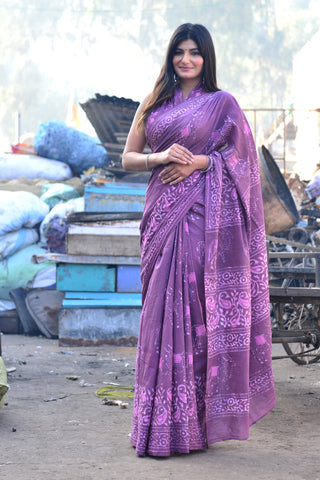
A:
203, 371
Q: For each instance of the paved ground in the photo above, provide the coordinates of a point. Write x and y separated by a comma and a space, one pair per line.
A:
57, 428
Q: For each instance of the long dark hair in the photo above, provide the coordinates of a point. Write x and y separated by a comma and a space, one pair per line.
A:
165, 83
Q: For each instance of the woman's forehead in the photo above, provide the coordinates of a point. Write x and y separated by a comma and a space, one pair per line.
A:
188, 44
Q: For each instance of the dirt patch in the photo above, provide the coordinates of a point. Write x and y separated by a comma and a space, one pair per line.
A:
57, 428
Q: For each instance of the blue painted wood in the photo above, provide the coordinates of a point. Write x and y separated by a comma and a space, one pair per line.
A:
106, 325
128, 278
85, 277
121, 188
115, 197
96, 299
114, 203
99, 303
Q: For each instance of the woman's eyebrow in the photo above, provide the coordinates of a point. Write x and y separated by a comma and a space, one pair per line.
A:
186, 49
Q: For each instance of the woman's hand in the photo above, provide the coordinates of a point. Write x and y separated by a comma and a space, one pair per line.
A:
175, 173
176, 154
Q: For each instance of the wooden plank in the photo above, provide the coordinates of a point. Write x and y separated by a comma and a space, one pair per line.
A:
86, 326
85, 277
285, 241
293, 255
76, 217
10, 322
128, 278
120, 188
94, 259
114, 245
120, 238
98, 304
118, 227
96, 299
115, 197
114, 203
292, 270
295, 295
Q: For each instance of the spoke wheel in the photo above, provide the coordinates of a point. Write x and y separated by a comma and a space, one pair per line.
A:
300, 317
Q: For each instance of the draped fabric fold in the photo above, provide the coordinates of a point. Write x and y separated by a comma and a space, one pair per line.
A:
203, 370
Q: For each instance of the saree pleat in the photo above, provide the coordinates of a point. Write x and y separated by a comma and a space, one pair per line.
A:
203, 371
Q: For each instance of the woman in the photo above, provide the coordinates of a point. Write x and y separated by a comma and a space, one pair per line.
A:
204, 352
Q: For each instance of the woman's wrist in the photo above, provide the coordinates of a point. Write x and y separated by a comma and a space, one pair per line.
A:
203, 162
208, 165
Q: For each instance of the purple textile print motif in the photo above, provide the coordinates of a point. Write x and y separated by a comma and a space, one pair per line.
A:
203, 370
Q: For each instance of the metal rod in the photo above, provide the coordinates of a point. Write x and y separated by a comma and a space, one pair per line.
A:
17, 127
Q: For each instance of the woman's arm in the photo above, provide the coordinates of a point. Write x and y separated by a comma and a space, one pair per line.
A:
134, 160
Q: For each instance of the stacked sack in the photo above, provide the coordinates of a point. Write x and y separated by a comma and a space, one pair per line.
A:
20, 216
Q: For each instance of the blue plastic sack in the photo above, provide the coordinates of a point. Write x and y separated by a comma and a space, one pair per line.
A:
57, 141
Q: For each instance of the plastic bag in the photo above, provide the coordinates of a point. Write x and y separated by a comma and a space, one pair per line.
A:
54, 193
20, 209
61, 211
13, 241
23, 148
18, 270
56, 140
32, 166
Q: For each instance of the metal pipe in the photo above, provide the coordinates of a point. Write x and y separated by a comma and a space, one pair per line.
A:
17, 127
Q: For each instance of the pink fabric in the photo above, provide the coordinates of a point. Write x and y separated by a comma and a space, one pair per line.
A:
203, 370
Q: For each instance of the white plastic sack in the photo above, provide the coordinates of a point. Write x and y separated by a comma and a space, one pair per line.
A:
7, 305
18, 270
61, 211
13, 241
32, 166
20, 209
45, 278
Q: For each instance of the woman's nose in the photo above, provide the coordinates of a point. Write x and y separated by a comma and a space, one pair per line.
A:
186, 57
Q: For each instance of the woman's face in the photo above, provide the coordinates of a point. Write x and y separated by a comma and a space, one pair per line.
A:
187, 61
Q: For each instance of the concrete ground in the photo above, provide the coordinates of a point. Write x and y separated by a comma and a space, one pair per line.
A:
55, 427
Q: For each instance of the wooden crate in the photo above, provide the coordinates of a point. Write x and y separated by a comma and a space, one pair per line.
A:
128, 278
91, 326
101, 299
114, 238
76, 277
115, 197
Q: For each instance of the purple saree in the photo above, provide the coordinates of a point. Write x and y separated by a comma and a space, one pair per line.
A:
203, 370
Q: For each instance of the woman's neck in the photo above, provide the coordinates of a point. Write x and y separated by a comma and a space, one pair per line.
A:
187, 86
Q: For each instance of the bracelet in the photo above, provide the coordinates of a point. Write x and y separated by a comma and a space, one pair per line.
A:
147, 159
209, 166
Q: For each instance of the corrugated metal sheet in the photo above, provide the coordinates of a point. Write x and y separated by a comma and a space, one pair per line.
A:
111, 118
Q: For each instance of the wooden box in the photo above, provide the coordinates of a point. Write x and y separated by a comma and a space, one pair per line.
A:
77, 277
114, 238
115, 197
101, 299
88, 326
128, 278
